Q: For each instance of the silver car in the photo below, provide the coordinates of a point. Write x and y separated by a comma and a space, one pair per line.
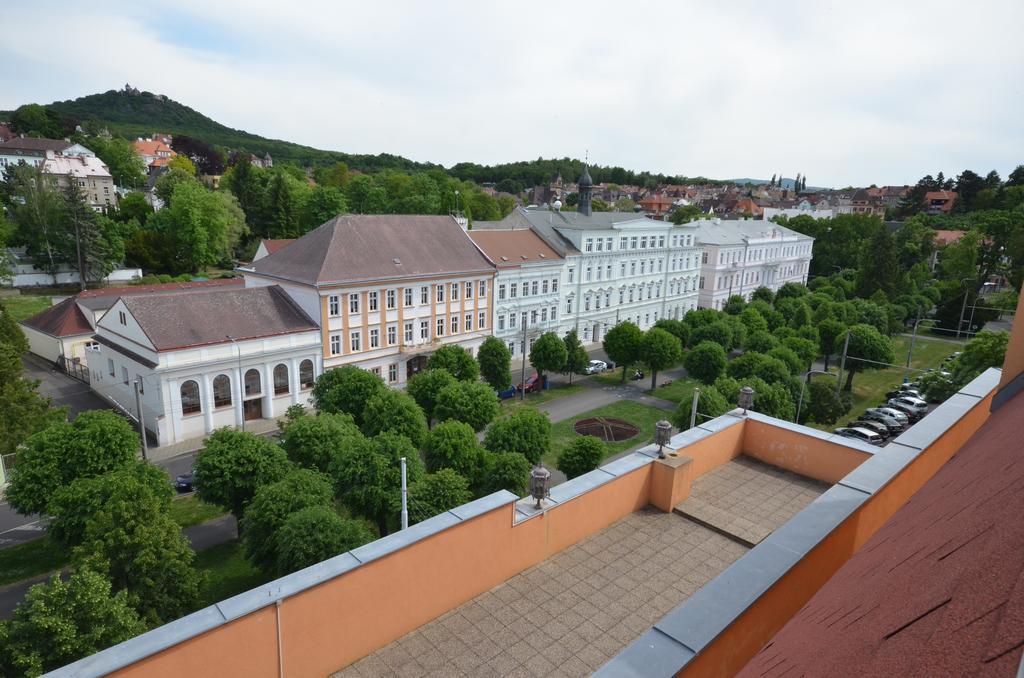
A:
595, 366
916, 406
901, 417
860, 434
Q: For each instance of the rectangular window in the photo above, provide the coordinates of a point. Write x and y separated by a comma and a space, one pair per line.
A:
483, 289
622, 270
142, 383
632, 268
511, 348
424, 329
374, 338
512, 320
568, 305
440, 293
124, 375
122, 318
533, 317
501, 321
586, 303
608, 243
622, 296
110, 367
544, 287
590, 273
371, 301
375, 370
544, 315
589, 245
600, 244
632, 243
408, 296
703, 260
353, 303
455, 324
333, 305
608, 271
599, 269
661, 241
533, 287
390, 298
469, 322
408, 333
392, 373
554, 285
469, 290
392, 335
481, 322
424, 295
440, 327
335, 344
526, 289
501, 291
554, 312
513, 290
643, 242
455, 291
622, 243
572, 274
354, 340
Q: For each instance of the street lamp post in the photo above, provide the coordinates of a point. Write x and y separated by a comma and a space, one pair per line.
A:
807, 377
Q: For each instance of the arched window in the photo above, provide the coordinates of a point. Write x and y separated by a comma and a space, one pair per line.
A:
190, 403
221, 391
281, 379
306, 374
252, 383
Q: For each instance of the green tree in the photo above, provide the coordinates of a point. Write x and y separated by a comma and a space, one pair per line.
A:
425, 386
772, 371
456, 360
576, 358
34, 120
233, 464
316, 533
11, 334
310, 441
473, 403
72, 506
346, 389
866, 344
125, 165
774, 400
368, 476
23, 412
582, 455
761, 342
140, 548
163, 187
685, 214
271, 506
249, 186
548, 354
828, 331
794, 363
436, 493
453, 444
745, 365
60, 622
719, 332
623, 344
97, 442
705, 362
201, 227
987, 349
763, 294
494, 358
526, 432
504, 471
753, 321
98, 246
38, 213
323, 204
937, 386
823, 405
676, 328
805, 349
133, 206
395, 412
661, 351
710, 404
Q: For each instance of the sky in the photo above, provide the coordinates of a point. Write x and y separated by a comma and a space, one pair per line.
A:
849, 93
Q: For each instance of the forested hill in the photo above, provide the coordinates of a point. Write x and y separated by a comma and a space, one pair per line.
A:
131, 113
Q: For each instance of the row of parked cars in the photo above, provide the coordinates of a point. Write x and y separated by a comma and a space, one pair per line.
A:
904, 406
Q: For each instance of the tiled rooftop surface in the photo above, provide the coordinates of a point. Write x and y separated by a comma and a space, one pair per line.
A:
570, 614
748, 499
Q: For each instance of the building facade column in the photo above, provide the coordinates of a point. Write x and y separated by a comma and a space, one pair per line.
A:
268, 391
207, 401
175, 409
237, 396
293, 378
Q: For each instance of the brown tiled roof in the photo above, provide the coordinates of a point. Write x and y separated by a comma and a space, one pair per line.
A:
30, 144
947, 237
513, 247
938, 590
272, 246
183, 320
64, 319
357, 248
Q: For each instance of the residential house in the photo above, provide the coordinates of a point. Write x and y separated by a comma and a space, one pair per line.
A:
939, 202
154, 152
867, 201
35, 152
386, 290
737, 257
205, 359
770, 213
656, 205
526, 298
91, 175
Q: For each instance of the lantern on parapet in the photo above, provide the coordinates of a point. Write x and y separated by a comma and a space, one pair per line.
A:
662, 434
746, 398
539, 483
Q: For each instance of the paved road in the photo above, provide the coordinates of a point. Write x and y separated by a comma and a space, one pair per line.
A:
63, 389
201, 537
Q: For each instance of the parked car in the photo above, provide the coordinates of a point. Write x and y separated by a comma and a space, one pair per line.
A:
891, 424
871, 425
533, 384
185, 482
859, 434
898, 415
904, 390
509, 392
914, 407
595, 366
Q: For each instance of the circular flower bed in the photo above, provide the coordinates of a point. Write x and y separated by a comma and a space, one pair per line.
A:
607, 429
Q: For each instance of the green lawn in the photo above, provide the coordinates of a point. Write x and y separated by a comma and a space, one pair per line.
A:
25, 305
534, 399
869, 388
644, 416
677, 390
227, 571
189, 510
30, 559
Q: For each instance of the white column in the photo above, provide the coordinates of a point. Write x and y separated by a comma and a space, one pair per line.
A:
207, 401
238, 392
175, 409
293, 380
268, 391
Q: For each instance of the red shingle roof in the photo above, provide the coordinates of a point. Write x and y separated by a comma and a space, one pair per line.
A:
938, 590
64, 319
272, 246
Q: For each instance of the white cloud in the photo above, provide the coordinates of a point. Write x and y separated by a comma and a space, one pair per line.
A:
847, 94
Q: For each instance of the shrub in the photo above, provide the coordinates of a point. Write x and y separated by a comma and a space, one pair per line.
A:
583, 454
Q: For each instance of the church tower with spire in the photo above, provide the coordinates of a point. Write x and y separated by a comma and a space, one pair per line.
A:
586, 186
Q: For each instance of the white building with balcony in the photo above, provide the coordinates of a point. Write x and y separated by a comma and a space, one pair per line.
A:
385, 290
738, 256
205, 359
526, 288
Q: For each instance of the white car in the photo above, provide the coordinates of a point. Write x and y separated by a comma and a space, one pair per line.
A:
910, 404
899, 416
595, 366
860, 434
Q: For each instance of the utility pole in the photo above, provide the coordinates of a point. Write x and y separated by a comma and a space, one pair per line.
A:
142, 422
842, 364
910, 354
78, 248
963, 308
693, 407
522, 373
405, 498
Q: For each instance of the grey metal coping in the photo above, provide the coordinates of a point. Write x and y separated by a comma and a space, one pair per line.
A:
723, 422
984, 383
692, 625
170, 634
627, 464
824, 436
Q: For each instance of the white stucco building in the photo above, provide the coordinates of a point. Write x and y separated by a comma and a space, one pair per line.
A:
738, 256
205, 359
